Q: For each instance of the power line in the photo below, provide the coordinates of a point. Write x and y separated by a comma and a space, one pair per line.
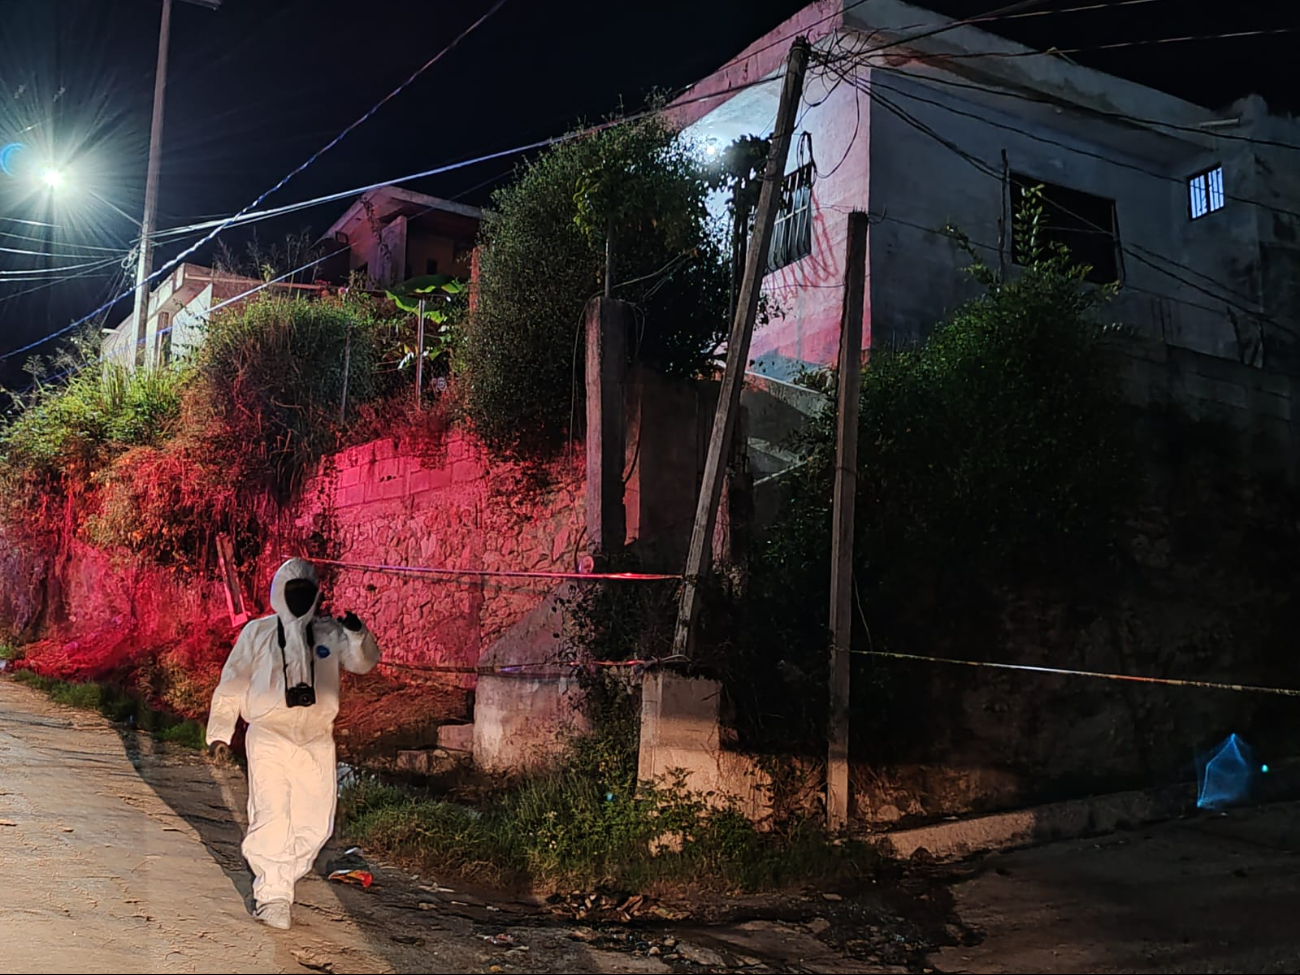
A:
101, 269
1078, 150
1102, 113
169, 265
1116, 45
1135, 251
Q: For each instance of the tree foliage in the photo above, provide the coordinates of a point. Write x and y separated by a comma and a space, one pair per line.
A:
996, 450
542, 257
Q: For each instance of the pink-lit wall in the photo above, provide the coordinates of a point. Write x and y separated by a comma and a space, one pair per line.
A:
833, 132
434, 501
441, 505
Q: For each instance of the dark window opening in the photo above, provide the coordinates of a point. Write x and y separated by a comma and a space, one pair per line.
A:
164, 338
1086, 225
1205, 192
430, 266
792, 232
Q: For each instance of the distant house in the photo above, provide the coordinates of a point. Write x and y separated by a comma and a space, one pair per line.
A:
391, 235
1194, 213
178, 309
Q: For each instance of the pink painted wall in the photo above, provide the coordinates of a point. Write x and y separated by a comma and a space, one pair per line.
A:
430, 501
442, 505
834, 131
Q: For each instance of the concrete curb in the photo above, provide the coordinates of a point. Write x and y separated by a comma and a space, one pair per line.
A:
1069, 819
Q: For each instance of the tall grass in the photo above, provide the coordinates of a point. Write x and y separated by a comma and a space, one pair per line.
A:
118, 706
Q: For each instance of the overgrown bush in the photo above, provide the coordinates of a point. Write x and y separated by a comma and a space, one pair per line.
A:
542, 258
164, 459
996, 451
271, 380
587, 823
56, 437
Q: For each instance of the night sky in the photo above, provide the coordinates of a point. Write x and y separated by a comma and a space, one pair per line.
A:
259, 85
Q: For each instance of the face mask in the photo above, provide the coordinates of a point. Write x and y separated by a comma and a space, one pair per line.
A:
300, 597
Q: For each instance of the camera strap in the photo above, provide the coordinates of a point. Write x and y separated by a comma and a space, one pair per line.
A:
284, 659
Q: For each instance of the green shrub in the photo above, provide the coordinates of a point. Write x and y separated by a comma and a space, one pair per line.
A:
53, 440
542, 258
118, 706
998, 450
586, 822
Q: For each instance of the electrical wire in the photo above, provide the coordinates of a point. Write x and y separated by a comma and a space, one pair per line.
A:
171, 264
1118, 116
1141, 254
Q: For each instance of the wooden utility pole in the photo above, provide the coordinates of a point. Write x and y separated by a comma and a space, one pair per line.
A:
742, 328
144, 261
846, 484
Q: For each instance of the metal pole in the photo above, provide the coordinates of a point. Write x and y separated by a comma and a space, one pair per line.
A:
145, 266
846, 485
742, 329
419, 359
347, 368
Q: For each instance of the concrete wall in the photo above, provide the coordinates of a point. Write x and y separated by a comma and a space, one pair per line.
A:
1261, 407
439, 504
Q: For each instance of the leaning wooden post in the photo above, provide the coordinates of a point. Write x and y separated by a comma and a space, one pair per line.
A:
846, 483
742, 328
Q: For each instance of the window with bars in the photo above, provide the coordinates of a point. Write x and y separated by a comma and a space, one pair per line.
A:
1205, 192
792, 233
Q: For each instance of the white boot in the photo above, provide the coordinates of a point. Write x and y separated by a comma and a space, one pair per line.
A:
274, 914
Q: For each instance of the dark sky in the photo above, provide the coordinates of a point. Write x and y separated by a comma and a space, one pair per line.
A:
259, 85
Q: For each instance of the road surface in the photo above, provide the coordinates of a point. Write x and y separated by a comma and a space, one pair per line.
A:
1214, 893
116, 856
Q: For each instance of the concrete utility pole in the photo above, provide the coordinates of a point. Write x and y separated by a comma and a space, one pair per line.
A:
144, 267
742, 329
846, 484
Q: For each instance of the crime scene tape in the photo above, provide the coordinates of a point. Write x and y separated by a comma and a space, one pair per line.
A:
1098, 675
495, 573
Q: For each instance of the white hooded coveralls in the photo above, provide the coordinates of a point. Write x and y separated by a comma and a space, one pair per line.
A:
292, 774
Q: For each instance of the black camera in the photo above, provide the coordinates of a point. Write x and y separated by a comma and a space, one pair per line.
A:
302, 696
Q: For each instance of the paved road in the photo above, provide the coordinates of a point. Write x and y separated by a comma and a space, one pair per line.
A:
1218, 893
116, 859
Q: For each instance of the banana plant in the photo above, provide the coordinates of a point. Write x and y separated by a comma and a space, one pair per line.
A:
438, 292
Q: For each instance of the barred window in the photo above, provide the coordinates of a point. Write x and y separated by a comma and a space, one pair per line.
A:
1205, 192
792, 233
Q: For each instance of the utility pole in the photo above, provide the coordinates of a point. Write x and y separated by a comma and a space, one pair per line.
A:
742, 328
846, 484
144, 268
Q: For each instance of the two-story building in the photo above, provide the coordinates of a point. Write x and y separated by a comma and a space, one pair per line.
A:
393, 234
387, 236
926, 125
179, 307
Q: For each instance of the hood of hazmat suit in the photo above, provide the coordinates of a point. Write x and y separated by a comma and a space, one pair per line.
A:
291, 765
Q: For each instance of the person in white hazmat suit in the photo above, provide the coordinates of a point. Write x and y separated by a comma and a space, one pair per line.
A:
282, 678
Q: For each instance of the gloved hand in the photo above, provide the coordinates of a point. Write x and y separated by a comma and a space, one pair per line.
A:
219, 752
351, 622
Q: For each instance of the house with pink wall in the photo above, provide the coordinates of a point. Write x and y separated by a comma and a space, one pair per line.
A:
928, 124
